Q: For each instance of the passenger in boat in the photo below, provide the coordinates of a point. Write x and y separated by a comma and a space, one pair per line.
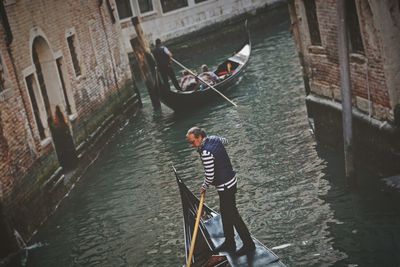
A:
227, 72
219, 172
207, 77
188, 81
164, 59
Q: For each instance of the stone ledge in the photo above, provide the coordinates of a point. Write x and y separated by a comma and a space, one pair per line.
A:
375, 143
381, 125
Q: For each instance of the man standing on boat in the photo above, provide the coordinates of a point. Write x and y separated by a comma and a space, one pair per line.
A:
164, 58
219, 172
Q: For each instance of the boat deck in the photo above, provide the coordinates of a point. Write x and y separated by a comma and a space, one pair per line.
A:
262, 256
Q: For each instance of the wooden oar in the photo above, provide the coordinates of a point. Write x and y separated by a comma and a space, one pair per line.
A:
195, 230
212, 87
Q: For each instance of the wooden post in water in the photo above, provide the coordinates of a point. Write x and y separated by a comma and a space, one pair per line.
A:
345, 85
143, 55
294, 28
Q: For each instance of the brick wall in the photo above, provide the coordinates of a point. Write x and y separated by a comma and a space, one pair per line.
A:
26, 160
367, 71
375, 83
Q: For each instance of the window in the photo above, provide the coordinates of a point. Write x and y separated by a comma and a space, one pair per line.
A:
74, 55
199, 1
2, 76
124, 9
169, 5
312, 20
145, 5
353, 28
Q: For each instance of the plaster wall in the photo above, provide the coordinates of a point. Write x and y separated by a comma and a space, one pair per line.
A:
188, 19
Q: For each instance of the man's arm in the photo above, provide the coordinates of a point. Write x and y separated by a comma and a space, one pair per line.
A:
208, 163
166, 50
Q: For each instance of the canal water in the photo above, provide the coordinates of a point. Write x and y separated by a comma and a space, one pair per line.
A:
126, 210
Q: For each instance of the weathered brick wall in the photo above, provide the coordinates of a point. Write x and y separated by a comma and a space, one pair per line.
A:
105, 84
16, 142
98, 40
367, 73
374, 80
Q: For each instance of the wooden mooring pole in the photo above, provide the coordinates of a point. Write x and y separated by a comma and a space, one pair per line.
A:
345, 83
143, 55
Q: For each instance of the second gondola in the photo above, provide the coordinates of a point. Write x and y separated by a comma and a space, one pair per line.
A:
228, 73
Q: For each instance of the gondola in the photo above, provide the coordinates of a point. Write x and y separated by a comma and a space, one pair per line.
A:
228, 73
210, 236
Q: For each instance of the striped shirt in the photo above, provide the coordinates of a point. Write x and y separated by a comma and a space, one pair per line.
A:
208, 161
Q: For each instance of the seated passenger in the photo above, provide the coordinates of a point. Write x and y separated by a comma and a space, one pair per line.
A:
188, 81
207, 76
226, 72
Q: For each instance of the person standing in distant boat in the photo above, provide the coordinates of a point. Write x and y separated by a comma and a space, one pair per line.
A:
219, 172
164, 59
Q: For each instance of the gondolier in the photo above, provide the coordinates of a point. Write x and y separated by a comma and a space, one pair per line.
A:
219, 172
163, 58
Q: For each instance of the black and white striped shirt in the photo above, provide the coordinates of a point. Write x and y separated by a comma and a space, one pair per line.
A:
208, 161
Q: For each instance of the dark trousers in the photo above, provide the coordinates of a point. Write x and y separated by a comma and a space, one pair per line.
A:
231, 218
169, 72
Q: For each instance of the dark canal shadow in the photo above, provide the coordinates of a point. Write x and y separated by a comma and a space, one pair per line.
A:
367, 215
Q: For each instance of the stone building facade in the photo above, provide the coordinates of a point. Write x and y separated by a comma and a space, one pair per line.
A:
169, 19
373, 30
53, 53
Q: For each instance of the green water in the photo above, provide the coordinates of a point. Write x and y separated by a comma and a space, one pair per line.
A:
126, 210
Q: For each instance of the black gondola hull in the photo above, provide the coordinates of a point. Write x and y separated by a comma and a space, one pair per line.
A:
192, 100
